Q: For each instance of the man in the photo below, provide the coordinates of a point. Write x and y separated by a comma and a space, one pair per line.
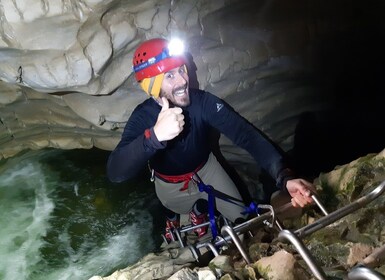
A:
171, 130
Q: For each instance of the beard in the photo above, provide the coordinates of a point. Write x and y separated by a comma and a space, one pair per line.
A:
179, 97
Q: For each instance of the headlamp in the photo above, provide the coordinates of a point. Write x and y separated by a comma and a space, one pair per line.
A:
175, 47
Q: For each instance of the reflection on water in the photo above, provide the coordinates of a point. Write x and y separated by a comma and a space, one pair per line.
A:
62, 219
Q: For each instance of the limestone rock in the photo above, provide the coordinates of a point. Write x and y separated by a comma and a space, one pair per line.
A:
358, 252
280, 266
156, 266
206, 274
221, 264
185, 274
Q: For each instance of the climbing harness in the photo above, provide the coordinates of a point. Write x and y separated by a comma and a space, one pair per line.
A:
185, 178
212, 194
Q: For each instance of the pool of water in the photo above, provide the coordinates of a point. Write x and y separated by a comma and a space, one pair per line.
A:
62, 219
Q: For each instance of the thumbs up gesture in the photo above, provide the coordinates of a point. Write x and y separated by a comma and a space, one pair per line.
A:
170, 122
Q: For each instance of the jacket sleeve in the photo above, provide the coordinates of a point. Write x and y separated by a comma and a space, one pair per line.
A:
137, 145
242, 133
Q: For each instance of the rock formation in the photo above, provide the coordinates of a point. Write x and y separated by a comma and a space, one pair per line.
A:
66, 76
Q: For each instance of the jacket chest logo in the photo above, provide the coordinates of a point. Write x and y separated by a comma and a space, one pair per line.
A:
219, 107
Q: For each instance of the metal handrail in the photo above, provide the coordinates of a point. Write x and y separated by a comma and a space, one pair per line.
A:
237, 242
212, 248
364, 273
342, 212
304, 252
319, 204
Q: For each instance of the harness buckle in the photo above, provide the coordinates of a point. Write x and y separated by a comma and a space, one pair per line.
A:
152, 171
196, 179
152, 178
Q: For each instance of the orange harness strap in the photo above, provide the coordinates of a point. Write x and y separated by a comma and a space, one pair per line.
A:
186, 178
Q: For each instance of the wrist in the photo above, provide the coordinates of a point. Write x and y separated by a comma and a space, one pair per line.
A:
157, 134
152, 140
284, 175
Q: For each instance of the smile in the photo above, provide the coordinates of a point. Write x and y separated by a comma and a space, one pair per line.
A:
180, 92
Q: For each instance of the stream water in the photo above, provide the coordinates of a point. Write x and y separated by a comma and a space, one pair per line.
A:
62, 219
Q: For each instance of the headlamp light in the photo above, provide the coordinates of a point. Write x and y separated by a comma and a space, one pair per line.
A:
175, 47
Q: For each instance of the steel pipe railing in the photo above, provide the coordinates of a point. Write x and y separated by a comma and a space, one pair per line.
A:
364, 273
237, 242
287, 235
342, 212
319, 204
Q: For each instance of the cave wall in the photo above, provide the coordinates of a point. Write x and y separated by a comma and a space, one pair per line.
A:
307, 73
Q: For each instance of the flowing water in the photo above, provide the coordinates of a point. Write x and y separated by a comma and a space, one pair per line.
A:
62, 219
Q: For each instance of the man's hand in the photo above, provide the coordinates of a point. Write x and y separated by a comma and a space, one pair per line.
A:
300, 190
170, 122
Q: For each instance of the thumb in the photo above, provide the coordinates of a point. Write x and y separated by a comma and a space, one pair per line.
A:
165, 104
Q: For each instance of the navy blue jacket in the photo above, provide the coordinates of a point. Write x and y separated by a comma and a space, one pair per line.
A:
191, 148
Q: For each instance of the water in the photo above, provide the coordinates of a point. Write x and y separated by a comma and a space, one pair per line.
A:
62, 219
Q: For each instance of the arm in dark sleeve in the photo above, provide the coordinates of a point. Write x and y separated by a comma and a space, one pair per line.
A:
242, 133
137, 146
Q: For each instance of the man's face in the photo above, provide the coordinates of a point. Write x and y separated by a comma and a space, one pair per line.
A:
175, 87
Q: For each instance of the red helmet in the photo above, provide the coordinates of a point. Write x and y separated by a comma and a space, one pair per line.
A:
153, 57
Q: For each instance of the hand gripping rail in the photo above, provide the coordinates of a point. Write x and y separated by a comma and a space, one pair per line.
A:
342, 212
294, 238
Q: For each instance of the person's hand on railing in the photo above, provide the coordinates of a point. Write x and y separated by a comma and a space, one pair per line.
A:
300, 191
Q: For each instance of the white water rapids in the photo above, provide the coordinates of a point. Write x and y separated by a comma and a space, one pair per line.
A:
62, 219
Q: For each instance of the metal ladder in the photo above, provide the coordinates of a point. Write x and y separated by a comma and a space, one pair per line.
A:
231, 234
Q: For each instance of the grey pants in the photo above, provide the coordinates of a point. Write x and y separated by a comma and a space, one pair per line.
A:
211, 173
